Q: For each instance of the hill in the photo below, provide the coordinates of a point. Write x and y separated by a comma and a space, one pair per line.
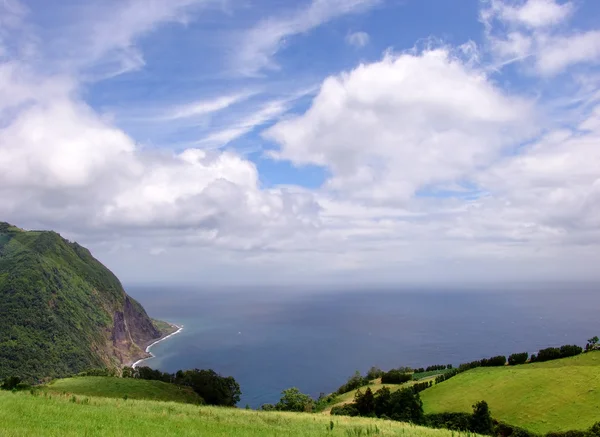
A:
63, 415
109, 387
61, 310
557, 395
375, 385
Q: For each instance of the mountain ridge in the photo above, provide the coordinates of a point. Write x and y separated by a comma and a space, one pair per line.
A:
62, 311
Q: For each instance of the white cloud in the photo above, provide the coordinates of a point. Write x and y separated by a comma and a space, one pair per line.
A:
261, 43
389, 129
268, 112
529, 31
557, 53
433, 170
205, 107
529, 13
102, 41
358, 39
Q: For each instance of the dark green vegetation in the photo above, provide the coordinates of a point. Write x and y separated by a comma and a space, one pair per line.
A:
212, 387
123, 388
62, 311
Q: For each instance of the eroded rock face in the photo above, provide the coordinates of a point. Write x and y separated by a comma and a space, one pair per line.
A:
140, 326
132, 332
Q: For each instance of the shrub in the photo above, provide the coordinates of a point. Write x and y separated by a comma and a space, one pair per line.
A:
451, 421
395, 376
293, 399
497, 361
10, 383
345, 410
570, 350
374, 373
520, 358
481, 422
354, 382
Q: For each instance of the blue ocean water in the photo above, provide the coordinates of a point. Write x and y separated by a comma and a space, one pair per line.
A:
273, 340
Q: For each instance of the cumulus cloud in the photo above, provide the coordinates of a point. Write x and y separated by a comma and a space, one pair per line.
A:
65, 166
358, 39
389, 129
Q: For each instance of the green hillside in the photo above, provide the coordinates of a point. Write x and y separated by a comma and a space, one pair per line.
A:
375, 385
24, 414
61, 310
556, 395
118, 388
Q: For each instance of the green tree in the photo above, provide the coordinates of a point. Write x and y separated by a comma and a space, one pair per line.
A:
382, 401
406, 406
293, 399
374, 373
592, 343
212, 387
481, 421
365, 403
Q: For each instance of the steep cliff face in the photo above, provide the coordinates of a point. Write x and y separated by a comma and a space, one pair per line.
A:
61, 310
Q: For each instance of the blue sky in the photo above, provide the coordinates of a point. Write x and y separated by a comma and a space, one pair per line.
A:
322, 141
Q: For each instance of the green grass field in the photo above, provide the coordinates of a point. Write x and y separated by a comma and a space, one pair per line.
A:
119, 387
375, 385
49, 414
556, 395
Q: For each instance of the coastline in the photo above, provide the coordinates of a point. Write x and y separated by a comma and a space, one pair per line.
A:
179, 329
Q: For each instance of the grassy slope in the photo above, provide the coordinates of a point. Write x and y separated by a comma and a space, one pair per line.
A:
118, 387
375, 385
23, 414
552, 396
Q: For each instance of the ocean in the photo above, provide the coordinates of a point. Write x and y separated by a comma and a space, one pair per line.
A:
270, 340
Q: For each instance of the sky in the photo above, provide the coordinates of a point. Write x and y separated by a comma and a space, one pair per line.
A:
310, 142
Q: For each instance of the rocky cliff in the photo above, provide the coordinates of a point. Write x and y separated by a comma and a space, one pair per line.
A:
61, 310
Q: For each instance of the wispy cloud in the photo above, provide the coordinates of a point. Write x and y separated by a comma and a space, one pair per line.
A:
358, 39
266, 113
102, 42
205, 107
261, 43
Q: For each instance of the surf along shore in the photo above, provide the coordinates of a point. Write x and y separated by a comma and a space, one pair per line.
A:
151, 355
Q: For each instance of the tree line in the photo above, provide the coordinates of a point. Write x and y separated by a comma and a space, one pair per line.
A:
212, 387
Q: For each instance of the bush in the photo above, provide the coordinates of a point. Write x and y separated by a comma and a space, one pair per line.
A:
520, 358
354, 382
374, 373
570, 350
345, 410
505, 430
555, 353
10, 383
481, 422
497, 361
451, 421
103, 371
420, 386
406, 406
212, 387
293, 399
395, 376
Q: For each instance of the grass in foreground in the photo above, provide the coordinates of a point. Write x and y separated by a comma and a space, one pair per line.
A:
46, 414
557, 395
119, 387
